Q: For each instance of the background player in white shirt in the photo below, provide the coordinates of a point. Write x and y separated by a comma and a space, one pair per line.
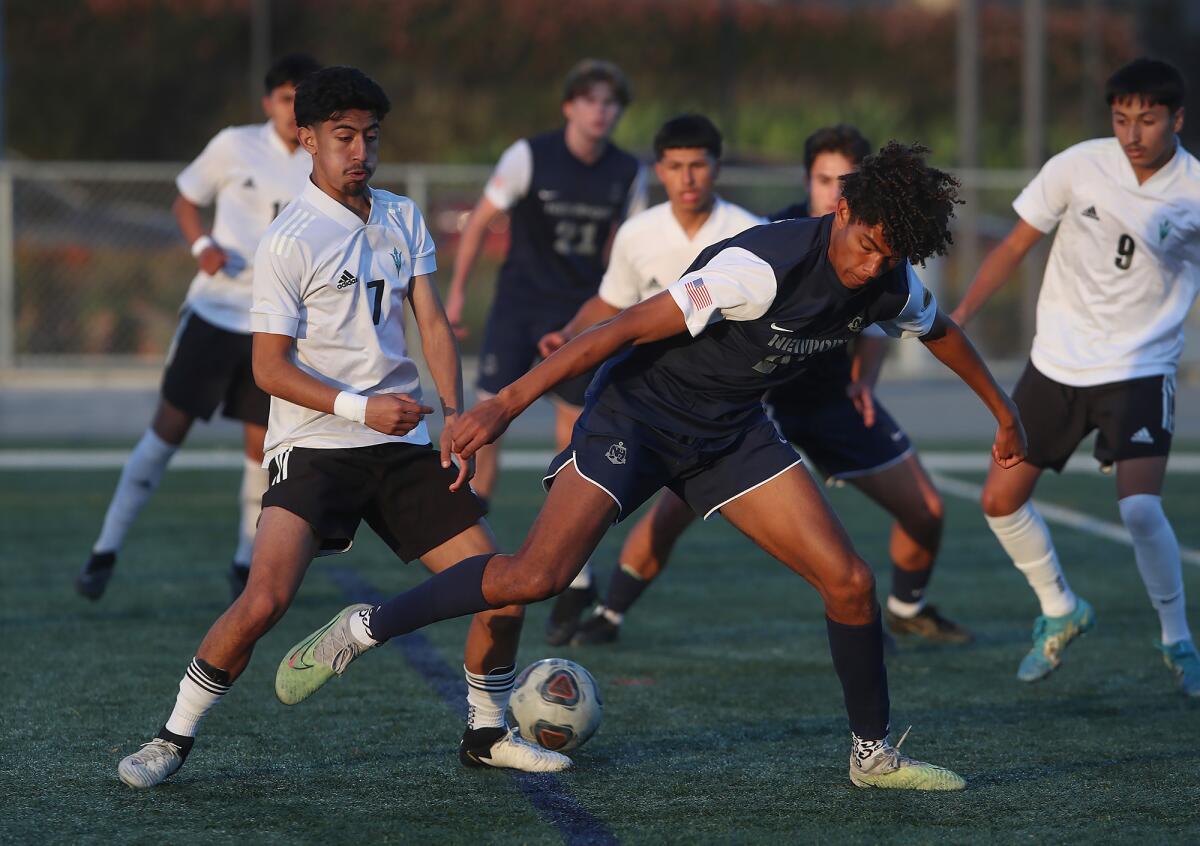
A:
250, 173
1122, 274
347, 439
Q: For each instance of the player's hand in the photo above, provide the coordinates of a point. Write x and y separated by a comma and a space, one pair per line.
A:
479, 427
863, 397
456, 303
212, 259
395, 414
1010, 445
466, 466
550, 342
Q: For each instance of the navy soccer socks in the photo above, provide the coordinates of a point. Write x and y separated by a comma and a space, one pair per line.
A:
455, 592
858, 659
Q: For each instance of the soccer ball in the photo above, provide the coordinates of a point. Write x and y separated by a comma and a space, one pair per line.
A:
556, 704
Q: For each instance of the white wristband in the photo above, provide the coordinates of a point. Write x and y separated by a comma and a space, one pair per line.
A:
351, 406
201, 244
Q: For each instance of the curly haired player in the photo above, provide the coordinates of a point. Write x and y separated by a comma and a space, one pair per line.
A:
679, 406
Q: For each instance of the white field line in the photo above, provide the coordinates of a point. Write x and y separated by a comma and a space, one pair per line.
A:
523, 459
516, 459
1059, 514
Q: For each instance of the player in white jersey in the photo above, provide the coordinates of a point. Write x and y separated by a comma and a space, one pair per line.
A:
347, 439
250, 173
1122, 274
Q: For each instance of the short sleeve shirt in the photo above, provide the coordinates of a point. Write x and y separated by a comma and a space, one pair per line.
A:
759, 308
651, 250
338, 286
251, 175
1125, 265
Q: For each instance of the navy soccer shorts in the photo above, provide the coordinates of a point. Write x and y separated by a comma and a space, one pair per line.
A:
833, 435
631, 461
510, 348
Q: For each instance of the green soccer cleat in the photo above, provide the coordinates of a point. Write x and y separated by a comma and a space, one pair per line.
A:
888, 769
319, 657
1182, 660
1050, 637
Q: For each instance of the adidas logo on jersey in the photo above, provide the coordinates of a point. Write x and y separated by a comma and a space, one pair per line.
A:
347, 279
1142, 436
1090, 211
249, 183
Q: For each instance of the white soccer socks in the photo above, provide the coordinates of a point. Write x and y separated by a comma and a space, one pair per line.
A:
583, 581
200, 689
1157, 552
487, 696
139, 479
254, 485
1025, 538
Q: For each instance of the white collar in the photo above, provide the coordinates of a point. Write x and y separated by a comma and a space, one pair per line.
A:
277, 143
331, 208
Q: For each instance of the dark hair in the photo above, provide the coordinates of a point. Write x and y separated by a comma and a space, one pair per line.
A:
333, 90
843, 138
1158, 83
688, 131
912, 200
293, 68
588, 72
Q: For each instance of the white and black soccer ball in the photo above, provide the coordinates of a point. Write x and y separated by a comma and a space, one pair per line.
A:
556, 704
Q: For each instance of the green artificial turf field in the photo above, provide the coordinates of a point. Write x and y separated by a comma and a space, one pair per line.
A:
723, 721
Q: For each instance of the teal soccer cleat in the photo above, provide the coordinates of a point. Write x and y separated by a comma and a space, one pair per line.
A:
1182, 660
1050, 637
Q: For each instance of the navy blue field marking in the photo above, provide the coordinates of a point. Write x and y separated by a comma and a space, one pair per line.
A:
544, 791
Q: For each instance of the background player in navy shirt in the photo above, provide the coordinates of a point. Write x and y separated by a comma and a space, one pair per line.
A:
681, 408
565, 192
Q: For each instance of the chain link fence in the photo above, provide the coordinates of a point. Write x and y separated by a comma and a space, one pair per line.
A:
93, 269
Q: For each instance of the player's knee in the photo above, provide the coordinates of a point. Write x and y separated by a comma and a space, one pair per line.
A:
262, 608
1142, 515
925, 525
851, 593
537, 582
998, 503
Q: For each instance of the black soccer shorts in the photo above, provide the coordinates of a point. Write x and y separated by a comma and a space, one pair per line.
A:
209, 367
1134, 419
401, 490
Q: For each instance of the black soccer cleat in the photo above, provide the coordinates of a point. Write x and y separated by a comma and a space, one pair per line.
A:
239, 574
930, 625
563, 621
93, 578
596, 630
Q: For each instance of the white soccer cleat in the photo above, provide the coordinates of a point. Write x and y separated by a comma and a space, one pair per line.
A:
505, 748
151, 765
888, 768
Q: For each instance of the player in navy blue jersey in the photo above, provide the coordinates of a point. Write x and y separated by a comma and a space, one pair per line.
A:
830, 413
679, 406
565, 192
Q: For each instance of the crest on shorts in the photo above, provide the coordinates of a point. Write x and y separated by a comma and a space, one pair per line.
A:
398, 260
856, 324
617, 453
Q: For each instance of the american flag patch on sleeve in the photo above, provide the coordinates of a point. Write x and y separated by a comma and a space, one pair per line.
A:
697, 293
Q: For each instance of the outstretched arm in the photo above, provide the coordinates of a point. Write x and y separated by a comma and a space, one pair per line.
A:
656, 318
590, 313
952, 348
996, 269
